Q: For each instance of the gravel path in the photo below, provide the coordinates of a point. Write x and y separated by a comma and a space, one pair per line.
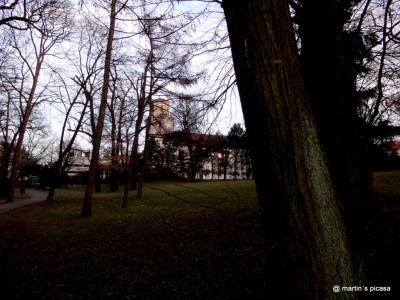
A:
33, 196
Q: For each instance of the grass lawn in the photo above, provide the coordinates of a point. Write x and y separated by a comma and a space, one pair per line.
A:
182, 241
387, 186
382, 247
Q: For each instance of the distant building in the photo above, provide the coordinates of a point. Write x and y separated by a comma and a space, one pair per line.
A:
213, 160
161, 121
393, 148
77, 163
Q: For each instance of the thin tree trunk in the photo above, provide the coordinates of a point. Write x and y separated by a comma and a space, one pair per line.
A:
130, 172
130, 180
139, 193
7, 148
53, 181
306, 241
22, 129
114, 140
4, 170
192, 163
134, 154
63, 153
97, 135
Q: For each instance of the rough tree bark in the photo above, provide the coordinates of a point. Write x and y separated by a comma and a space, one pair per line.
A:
307, 247
331, 84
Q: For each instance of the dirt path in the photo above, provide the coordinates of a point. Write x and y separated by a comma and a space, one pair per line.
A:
31, 196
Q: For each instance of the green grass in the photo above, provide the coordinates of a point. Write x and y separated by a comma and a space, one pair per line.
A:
181, 241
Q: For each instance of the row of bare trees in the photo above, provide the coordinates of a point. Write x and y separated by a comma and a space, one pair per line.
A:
97, 68
46, 25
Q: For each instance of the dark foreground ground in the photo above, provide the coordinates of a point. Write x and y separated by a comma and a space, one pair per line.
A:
382, 257
181, 242
166, 248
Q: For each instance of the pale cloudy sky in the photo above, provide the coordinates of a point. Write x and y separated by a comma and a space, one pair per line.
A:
230, 112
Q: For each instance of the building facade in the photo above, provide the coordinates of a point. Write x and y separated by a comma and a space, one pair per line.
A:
161, 121
190, 155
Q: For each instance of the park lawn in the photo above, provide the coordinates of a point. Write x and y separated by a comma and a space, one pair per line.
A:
181, 241
387, 191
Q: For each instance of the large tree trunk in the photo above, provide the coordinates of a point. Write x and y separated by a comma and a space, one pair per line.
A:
98, 133
308, 251
330, 75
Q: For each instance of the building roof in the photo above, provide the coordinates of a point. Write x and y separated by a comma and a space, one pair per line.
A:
183, 137
394, 146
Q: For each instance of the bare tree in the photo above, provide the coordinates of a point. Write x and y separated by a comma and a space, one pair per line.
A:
88, 65
165, 66
54, 29
142, 102
121, 112
190, 117
69, 99
379, 23
35, 147
22, 14
115, 8
9, 123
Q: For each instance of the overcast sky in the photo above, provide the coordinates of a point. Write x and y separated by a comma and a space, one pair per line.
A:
231, 112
